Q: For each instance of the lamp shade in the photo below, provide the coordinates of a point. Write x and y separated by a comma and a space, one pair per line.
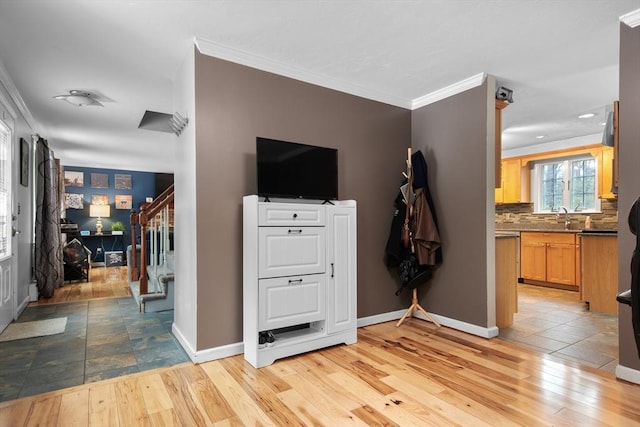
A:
99, 211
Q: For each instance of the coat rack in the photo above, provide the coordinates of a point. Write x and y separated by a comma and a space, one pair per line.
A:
408, 243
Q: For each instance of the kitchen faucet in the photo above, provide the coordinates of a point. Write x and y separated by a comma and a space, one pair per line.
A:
567, 219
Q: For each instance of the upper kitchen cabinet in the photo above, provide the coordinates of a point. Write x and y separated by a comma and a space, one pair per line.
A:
509, 190
515, 183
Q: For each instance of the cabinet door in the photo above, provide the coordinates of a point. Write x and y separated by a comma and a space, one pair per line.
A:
289, 301
533, 262
561, 263
511, 180
290, 251
341, 269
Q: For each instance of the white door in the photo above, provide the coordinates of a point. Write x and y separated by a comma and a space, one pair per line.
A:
7, 287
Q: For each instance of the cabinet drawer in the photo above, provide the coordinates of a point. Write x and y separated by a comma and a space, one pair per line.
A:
290, 214
290, 251
550, 237
288, 301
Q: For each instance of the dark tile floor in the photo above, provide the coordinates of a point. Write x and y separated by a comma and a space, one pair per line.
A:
103, 339
554, 321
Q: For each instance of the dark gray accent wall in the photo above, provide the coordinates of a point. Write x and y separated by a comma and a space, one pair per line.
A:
452, 135
234, 105
629, 180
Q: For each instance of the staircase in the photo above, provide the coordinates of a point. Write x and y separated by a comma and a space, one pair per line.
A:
152, 283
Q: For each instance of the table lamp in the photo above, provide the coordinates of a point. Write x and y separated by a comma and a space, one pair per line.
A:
99, 211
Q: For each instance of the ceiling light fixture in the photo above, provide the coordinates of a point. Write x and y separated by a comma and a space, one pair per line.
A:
79, 99
586, 116
539, 136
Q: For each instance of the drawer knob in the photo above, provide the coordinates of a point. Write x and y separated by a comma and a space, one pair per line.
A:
295, 215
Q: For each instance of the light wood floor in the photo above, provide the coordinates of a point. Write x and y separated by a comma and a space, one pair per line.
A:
415, 375
103, 282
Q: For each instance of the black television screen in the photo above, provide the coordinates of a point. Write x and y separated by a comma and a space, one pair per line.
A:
292, 170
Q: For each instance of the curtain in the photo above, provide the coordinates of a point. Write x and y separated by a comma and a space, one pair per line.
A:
49, 268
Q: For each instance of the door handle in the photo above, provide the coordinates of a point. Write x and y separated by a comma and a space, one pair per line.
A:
14, 231
332, 270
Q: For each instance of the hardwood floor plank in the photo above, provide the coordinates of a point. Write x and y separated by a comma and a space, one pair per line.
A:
16, 413
130, 401
74, 409
372, 417
265, 396
44, 411
413, 375
236, 397
184, 403
156, 396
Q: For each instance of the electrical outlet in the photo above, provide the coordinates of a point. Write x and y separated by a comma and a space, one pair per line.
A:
98, 251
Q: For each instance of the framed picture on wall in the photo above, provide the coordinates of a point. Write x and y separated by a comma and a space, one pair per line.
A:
99, 180
99, 199
124, 201
73, 179
122, 182
73, 201
24, 162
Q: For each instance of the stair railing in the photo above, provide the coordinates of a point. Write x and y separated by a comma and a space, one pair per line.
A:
155, 218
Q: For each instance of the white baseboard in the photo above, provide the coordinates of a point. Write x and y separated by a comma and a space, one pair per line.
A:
228, 350
221, 352
22, 305
183, 342
628, 374
445, 321
209, 354
380, 318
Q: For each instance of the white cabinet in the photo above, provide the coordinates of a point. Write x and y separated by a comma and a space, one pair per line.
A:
299, 277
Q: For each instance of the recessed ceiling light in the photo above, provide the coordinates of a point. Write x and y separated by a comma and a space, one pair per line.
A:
603, 124
79, 99
586, 116
539, 136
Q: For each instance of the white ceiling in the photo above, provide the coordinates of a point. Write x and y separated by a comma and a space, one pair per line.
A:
559, 57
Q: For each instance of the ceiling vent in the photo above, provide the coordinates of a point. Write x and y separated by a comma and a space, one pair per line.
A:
163, 122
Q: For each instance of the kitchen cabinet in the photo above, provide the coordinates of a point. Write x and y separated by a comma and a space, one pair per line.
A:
500, 105
509, 190
600, 272
549, 257
606, 175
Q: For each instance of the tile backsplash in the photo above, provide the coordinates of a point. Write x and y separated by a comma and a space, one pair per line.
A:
515, 216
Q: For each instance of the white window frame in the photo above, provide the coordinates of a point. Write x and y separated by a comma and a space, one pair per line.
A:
536, 175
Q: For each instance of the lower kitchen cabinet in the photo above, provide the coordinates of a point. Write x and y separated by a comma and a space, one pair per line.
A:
549, 257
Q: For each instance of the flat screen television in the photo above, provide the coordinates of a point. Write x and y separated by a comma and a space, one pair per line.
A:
293, 170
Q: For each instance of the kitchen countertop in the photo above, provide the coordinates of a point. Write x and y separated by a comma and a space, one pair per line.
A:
538, 230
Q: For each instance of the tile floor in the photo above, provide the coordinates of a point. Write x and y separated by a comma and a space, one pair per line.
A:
103, 339
554, 321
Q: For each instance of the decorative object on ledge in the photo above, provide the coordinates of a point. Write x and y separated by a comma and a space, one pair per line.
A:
99, 211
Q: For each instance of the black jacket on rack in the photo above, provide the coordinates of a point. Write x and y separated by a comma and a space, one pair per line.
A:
415, 269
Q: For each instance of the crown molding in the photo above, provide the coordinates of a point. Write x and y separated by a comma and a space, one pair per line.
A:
448, 91
632, 19
217, 50
7, 82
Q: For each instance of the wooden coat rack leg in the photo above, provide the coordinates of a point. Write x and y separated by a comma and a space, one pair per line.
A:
415, 306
